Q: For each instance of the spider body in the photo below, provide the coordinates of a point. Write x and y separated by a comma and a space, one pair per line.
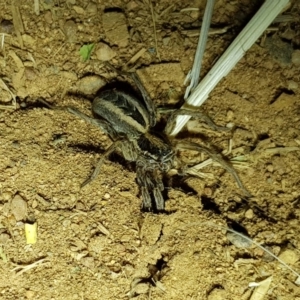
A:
128, 118
129, 122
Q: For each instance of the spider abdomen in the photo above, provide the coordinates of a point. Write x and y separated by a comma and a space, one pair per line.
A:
126, 114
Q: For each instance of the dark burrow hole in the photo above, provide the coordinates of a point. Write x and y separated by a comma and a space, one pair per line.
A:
156, 271
215, 287
209, 204
279, 92
237, 227
113, 9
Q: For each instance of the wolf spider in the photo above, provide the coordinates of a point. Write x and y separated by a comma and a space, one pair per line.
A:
129, 122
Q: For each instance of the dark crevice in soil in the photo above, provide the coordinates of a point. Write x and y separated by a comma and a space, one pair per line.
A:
279, 92
209, 204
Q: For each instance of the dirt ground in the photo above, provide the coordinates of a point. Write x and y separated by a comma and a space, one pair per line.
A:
95, 242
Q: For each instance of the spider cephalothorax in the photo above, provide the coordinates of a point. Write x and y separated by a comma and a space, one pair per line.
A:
129, 120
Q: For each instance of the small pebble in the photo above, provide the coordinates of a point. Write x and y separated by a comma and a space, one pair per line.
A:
230, 125
91, 8
270, 168
73, 197
4, 237
29, 40
280, 50
131, 5
208, 191
70, 30
90, 84
106, 196
6, 196
34, 204
249, 214
296, 57
97, 244
116, 28
5, 96
195, 14
165, 86
79, 10
80, 206
141, 288
31, 233
75, 227
238, 240
166, 40
48, 17
104, 52
66, 222
293, 85
163, 72
18, 208
289, 256
89, 262
30, 73
230, 115
30, 294
69, 75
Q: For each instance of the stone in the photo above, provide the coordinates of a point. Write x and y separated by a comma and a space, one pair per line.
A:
283, 102
163, 72
289, 256
296, 57
104, 52
89, 85
70, 31
116, 29
238, 240
18, 208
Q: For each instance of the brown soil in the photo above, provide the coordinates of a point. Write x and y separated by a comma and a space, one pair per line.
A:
95, 243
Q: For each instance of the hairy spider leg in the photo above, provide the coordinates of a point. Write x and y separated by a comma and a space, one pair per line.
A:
108, 151
149, 182
216, 157
194, 113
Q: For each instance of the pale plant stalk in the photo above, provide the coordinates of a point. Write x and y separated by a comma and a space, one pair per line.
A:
251, 241
194, 74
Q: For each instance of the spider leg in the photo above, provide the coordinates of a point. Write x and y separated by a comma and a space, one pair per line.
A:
194, 113
158, 188
150, 182
102, 124
96, 172
216, 157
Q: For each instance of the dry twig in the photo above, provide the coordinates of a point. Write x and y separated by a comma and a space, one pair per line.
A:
20, 269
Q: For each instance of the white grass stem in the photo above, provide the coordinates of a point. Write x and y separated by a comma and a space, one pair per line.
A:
194, 74
210, 224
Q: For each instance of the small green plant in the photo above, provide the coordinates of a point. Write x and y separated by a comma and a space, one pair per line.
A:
86, 51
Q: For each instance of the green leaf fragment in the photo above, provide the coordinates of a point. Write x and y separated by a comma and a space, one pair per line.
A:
86, 51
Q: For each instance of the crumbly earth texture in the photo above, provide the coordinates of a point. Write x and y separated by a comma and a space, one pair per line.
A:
95, 242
